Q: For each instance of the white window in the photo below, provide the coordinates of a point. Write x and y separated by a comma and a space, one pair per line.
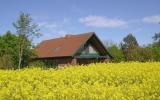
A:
91, 49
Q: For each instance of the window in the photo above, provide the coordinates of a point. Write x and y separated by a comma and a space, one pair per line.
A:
88, 51
91, 49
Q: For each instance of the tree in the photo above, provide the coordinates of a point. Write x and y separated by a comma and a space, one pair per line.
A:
129, 42
129, 47
9, 54
26, 31
156, 39
116, 52
156, 46
8, 50
6, 62
145, 54
109, 43
156, 50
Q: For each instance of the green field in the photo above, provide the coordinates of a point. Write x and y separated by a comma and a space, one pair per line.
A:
93, 82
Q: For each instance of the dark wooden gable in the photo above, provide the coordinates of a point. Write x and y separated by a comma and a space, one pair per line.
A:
88, 50
98, 49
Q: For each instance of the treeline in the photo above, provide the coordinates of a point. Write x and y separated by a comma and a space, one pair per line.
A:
130, 50
16, 50
9, 51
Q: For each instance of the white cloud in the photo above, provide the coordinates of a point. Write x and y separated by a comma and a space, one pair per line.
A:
48, 25
102, 22
52, 30
152, 19
54, 26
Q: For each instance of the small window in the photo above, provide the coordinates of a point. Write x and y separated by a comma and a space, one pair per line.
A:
91, 49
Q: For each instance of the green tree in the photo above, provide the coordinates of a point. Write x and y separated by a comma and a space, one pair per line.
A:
156, 39
156, 49
6, 62
156, 46
129, 42
129, 46
116, 52
8, 50
145, 54
26, 31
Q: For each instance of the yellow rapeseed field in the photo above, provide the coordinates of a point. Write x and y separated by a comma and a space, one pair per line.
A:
101, 81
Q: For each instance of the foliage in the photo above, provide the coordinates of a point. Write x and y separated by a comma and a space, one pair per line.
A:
142, 54
116, 52
156, 46
156, 50
130, 51
9, 51
6, 62
133, 52
156, 38
129, 47
130, 81
145, 54
26, 31
129, 42
40, 64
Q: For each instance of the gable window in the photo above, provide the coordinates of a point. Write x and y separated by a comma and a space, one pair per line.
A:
89, 50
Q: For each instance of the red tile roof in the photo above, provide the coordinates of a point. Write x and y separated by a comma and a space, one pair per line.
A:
62, 47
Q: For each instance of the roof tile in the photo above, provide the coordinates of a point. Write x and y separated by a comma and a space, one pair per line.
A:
64, 46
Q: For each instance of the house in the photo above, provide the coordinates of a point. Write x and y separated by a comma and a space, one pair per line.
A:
72, 49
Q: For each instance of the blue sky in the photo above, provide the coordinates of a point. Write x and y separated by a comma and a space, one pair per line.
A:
112, 20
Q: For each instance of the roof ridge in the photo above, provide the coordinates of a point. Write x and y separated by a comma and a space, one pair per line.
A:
68, 34
86, 33
71, 45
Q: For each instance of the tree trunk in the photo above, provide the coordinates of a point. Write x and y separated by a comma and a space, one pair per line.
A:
20, 53
20, 60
